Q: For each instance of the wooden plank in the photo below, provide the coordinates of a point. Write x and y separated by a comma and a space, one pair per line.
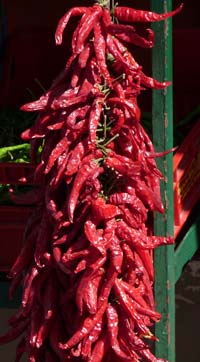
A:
162, 114
187, 248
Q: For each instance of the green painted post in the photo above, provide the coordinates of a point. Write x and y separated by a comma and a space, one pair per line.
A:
162, 114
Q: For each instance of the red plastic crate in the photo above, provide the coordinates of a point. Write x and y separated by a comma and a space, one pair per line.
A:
13, 219
12, 225
15, 173
186, 177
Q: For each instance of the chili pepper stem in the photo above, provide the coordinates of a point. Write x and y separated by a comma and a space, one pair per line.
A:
104, 3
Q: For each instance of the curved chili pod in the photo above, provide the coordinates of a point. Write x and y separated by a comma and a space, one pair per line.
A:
129, 15
77, 11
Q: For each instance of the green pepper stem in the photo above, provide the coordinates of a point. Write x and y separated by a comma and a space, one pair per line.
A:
104, 3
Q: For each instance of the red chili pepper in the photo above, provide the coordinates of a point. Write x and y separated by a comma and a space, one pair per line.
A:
79, 244
14, 332
140, 305
77, 11
119, 198
38, 129
146, 353
129, 264
129, 217
148, 197
50, 300
61, 146
94, 119
100, 52
131, 106
106, 18
25, 255
42, 242
90, 21
27, 285
94, 237
147, 259
152, 83
85, 55
99, 349
76, 156
65, 102
119, 119
21, 349
124, 167
128, 306
116, 254
91, 293
146, 280
102, 210
77, 31
87, 169
130, 15
112, 325
76, 73
86, 328
86, 277
87, 85
129, 64
58, 333
127, 34
126, 332
36, 319
139, 238
34, 147
91, 339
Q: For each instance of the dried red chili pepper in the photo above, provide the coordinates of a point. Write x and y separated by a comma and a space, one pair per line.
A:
99, 349
28, 280
94, 119
86, 327
100, 52
90, 297
112, 325
128, 34
85, 171
85, 55
102, 210
91, 339
131, 106
21, 349
127, 14
77, 11
87, 27
14, 332
128, 306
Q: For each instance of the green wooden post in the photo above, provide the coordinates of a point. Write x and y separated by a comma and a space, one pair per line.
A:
162, 114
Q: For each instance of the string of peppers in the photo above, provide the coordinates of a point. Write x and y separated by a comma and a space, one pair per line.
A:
86, 267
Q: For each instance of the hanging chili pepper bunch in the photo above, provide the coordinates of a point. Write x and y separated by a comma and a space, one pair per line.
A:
86, 265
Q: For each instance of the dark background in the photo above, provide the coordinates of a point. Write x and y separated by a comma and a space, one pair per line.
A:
30, 52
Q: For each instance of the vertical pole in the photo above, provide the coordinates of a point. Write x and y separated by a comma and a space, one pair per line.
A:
162, 114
